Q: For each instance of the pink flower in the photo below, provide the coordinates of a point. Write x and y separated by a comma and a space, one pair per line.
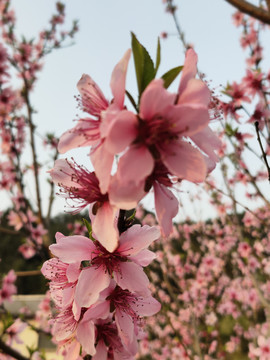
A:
109, 344
124, 264
93, 131
160, 148
263, 351
79, 184
14, 330
129, 308
8, 288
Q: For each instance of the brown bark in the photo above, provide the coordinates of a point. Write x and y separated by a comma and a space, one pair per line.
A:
252, 10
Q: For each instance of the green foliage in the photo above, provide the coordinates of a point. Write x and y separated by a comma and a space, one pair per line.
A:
158, 56
170, 76
144, 66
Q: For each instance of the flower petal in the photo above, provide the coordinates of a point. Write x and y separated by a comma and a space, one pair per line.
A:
101, 351
132, 277
107, 234
135, 165
208, 142
72, 249
166, 206
143, 258
86, 336
155, 100
196, 92
90, 283
122, 132
93, 100
137, 238
189, 70
125, 328
188, 119
184, 161
102, 161
125, 195
118, 79
85, 133
146, 306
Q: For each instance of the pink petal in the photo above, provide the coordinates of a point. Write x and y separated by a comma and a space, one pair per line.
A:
86, 336
85, 133
61, 173
132, 277
102, 161
188, 119
118, 79
137, 238
76, 309
143, 258
93, 99
155, 100
58, 236
101, 351
72, 249
125, 328
166, 206
147, 306
122, 132
135, 165
72, 350
67, 296
90, 283
189, 71
73, 272
184, 161
125, 195
208, 142
107, 234
196, 92
99, 311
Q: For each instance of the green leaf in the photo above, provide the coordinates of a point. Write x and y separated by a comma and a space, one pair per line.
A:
89, 228
170, 76
144, 66
158, 56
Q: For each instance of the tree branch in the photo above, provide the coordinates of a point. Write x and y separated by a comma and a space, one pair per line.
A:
268, 5
252, 10
9, 231
262, 149
9, 351
33, 147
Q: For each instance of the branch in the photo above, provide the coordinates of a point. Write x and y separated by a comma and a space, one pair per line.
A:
33, 147
252, 10
9, 351
51, 198
261, 146
28, 273
268, 5
9, 231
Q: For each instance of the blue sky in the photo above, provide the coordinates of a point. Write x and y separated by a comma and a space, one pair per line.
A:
104, 35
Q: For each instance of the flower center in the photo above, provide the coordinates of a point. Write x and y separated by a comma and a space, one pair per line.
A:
109, 261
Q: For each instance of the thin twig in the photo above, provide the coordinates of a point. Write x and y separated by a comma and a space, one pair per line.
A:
9, 231
12, 352
33, 147
28, 273
262, 149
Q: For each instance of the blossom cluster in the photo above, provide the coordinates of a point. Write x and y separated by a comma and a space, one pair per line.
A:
98, 283
7, 287
101, 296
